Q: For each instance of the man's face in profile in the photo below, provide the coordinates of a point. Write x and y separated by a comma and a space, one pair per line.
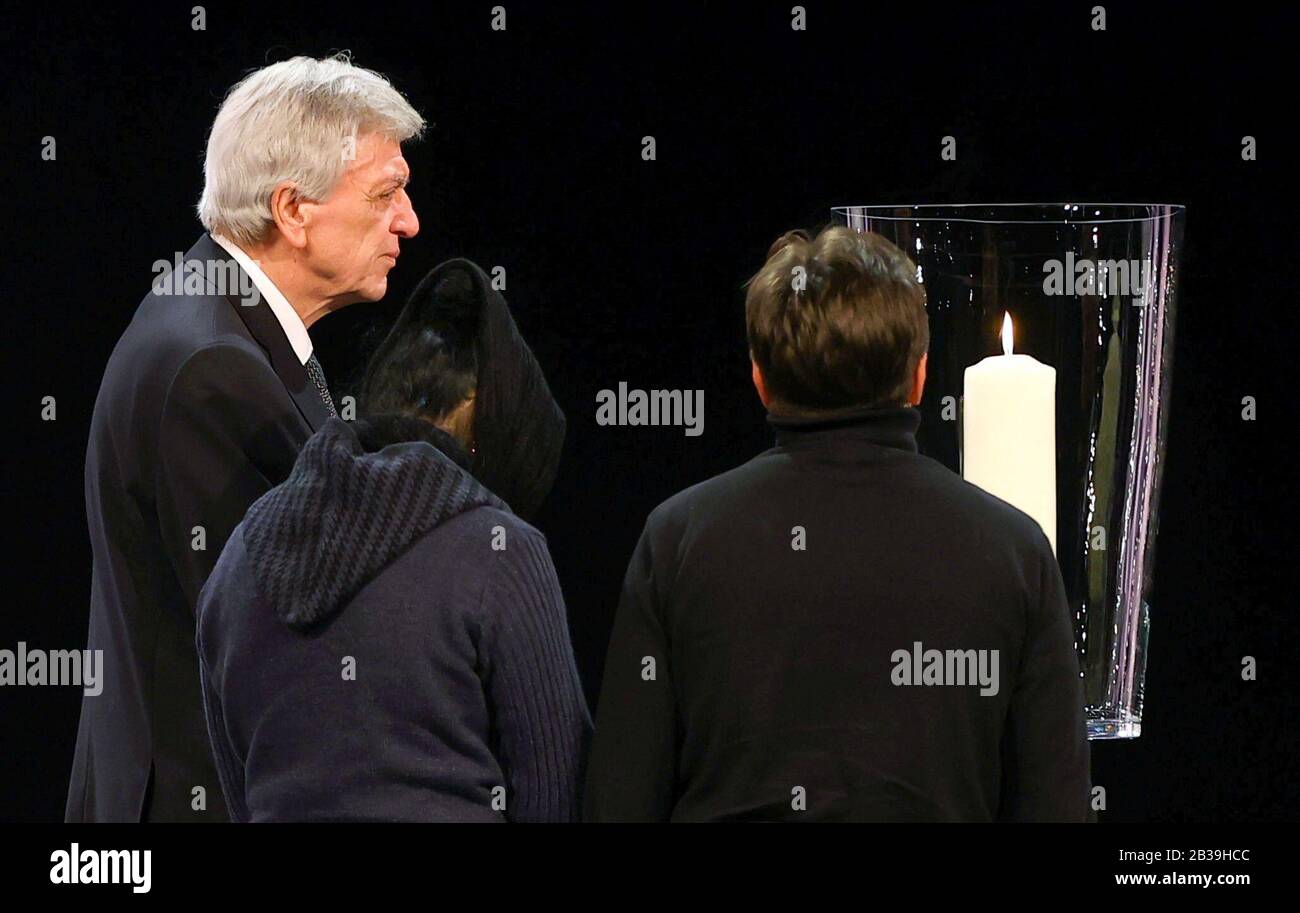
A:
354, 234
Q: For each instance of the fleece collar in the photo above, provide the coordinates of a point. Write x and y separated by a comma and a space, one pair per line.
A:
888, 427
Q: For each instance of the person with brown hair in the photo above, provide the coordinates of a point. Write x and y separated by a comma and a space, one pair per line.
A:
840, 628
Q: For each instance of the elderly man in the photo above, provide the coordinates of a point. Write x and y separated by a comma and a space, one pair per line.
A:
209, 395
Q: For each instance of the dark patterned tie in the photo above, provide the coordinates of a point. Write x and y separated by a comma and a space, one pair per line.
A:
317, 375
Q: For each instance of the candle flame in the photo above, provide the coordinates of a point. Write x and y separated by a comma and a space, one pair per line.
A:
1007, 334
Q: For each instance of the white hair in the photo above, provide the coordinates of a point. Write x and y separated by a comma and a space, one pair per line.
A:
298, 120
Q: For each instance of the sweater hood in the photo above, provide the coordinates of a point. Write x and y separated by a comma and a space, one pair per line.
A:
346, 512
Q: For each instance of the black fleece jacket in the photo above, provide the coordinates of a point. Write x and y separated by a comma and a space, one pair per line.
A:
762, 661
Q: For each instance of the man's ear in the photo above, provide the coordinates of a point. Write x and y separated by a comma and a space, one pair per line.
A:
289, 213
759, 384
918, 381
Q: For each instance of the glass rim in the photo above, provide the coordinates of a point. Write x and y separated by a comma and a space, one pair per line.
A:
918, 212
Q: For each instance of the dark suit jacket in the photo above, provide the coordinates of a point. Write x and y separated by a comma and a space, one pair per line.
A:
778, 692
203, 408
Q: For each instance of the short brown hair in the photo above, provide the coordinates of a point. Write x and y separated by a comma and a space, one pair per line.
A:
847, 331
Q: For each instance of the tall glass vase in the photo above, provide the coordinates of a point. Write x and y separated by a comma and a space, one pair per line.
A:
1092, 291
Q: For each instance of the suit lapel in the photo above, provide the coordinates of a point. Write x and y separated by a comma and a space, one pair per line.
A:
266, 330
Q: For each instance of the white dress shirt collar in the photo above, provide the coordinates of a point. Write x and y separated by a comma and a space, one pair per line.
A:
293, 326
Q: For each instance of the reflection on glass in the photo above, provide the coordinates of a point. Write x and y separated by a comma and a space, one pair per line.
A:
1092, 292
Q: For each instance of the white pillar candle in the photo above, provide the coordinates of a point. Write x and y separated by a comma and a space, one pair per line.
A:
1009, 431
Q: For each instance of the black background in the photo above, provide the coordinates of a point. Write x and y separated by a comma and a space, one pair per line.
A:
625, 270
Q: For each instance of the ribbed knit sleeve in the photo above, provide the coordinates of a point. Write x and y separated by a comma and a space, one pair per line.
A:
541, 724
230, 772
230, 767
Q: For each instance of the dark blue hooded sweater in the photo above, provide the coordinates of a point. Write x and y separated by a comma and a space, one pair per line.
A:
383, 638
412, 664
